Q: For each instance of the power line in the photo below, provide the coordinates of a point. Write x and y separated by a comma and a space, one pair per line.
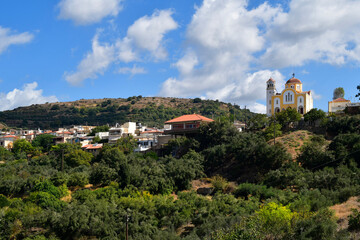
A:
335, 160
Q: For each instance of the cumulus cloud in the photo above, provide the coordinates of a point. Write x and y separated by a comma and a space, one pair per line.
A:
146, 34
222, 38
84, 12
94, 63
133, 71
25, 97
314, 30
8, 37
231, 50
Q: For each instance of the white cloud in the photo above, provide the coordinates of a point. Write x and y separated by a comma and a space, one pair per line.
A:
95, 62
84, 12
319, 30
315, 95
229, 46
257, 108
8, 37
133, 71
146, 34
25, 97
222, 38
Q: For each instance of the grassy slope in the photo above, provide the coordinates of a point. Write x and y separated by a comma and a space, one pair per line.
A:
151, 111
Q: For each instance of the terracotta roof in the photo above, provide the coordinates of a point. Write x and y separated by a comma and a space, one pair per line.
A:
190, 118
152, 131
271, 80
9, 136
340, 100
293, 80
92, 146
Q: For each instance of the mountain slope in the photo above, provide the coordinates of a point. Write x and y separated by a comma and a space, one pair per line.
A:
151, 111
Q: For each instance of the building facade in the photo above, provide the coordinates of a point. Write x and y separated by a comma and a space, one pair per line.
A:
291, 97
338, 105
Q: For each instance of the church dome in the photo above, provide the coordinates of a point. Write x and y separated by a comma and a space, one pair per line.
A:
293, 80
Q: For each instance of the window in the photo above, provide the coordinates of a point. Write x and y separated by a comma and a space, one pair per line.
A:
269, 101
292, 86
300, 100
277, 101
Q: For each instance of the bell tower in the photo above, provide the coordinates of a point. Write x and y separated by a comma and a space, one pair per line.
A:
270, 91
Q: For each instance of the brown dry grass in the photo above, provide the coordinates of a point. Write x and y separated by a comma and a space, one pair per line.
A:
201, 183
343, 210
293, 141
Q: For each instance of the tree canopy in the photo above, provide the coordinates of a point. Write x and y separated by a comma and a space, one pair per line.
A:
338, 93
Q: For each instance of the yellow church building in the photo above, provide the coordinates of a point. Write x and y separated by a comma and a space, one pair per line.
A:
291, 97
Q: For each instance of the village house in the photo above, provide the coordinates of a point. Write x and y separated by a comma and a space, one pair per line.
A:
7, 141
338, 105
186, 124
93, 148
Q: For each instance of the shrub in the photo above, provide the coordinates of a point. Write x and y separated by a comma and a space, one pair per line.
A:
354, 220
78, 179
219, 183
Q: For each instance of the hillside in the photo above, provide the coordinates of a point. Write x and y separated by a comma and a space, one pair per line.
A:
151, 111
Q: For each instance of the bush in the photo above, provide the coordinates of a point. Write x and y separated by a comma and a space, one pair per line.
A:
78, 179
354, 220
219, 183
77, 158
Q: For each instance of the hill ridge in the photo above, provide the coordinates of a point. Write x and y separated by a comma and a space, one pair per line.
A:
152, 111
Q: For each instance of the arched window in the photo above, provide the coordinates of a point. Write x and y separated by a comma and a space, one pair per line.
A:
300, 100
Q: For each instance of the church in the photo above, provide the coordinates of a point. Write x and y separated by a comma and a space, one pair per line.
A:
291, 97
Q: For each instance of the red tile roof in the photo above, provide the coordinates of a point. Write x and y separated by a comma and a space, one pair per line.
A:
92, 146
190, 118
10, 136
340, 100
293, 80
152, 131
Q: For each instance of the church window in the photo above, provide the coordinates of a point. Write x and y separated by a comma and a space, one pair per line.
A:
292, 86
300, 100
286, 98
277, 101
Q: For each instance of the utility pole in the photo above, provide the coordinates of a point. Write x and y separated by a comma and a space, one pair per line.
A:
274, 129
62, 160
127, 225
245, 117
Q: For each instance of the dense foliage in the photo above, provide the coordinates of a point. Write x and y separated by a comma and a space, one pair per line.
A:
63, 192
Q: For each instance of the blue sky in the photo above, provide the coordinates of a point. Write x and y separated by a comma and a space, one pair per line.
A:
66, 50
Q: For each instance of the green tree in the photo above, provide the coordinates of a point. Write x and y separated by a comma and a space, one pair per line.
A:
358, 88
338, 93
314, 154
313, 115
126, 144
269, 131
43, 141
259, 121
22, 145
104, 128
78, 157
287, 116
